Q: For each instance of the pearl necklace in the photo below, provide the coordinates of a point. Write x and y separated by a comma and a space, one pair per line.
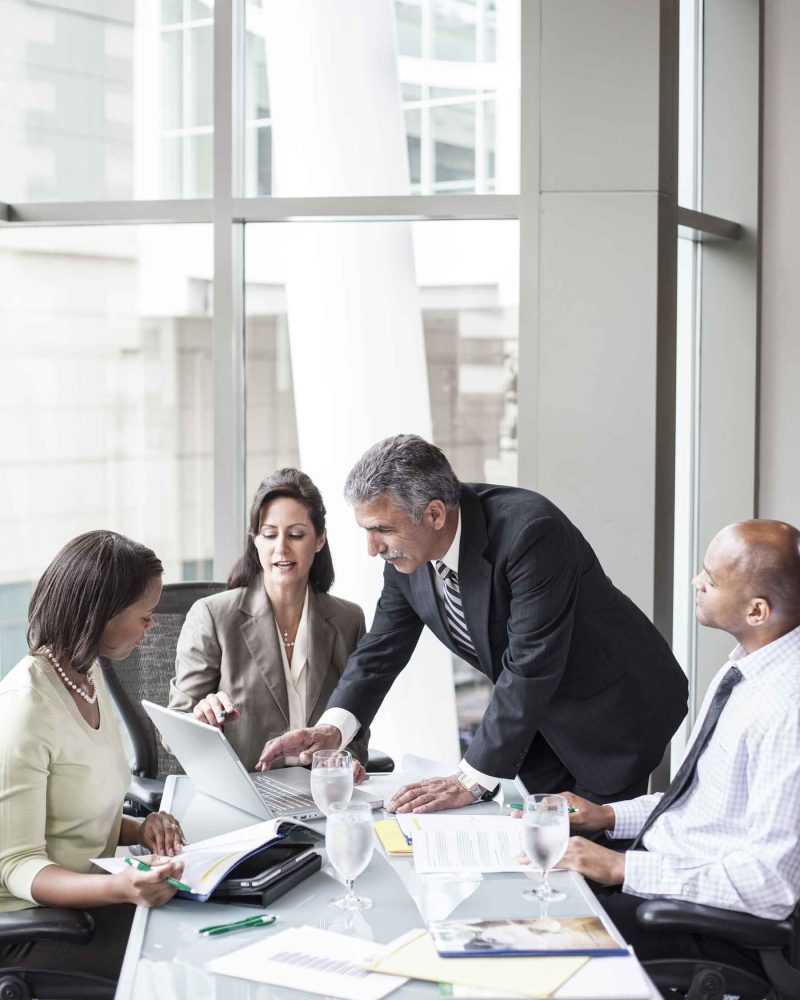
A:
285, 635
90, 698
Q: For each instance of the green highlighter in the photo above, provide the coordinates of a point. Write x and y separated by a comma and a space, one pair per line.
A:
143, 866
261, 920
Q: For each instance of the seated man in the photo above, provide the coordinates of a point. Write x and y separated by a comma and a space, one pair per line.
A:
727, 831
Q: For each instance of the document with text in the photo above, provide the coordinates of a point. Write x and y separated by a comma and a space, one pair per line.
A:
312, 960
469, 843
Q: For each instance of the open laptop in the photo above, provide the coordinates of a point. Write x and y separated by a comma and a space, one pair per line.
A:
214, 768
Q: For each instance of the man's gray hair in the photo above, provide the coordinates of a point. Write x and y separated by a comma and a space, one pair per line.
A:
407, 468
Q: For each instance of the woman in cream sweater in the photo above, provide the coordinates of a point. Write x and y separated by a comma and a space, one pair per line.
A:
63, 772
264, 656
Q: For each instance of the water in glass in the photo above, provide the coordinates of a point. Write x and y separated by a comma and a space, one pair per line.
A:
349, 842
331, 778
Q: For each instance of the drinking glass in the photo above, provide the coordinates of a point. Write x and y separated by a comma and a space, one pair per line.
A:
331, 778
545, 833
349, 841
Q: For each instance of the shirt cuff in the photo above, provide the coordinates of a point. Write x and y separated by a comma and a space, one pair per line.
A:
347, 724
646, 874
478, 777
630, 816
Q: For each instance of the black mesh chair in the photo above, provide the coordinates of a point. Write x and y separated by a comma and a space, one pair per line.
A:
775, 942
18, 933
146, 674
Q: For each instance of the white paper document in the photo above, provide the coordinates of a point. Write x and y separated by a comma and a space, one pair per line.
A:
313, 960
466, 844
206, 861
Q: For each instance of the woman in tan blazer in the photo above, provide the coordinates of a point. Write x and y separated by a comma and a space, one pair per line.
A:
264, 656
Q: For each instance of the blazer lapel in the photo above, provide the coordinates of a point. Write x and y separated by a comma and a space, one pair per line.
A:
475, 575
258, 632
321, 637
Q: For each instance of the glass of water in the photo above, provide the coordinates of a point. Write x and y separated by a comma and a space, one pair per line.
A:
545, 834
349, 841
331, 778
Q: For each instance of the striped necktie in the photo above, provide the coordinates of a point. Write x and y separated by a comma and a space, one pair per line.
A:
686, 772
454, 612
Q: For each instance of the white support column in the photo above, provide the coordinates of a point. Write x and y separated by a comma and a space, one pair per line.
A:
355, 320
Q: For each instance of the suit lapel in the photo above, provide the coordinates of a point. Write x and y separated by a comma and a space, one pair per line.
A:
475, 575
258, 632
321, 637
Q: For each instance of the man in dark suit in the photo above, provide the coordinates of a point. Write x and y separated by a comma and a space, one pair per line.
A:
586, 691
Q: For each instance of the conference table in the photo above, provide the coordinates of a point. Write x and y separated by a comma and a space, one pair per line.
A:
166, 957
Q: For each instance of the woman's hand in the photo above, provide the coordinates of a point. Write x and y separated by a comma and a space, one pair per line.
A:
588, 816
161, 833
148, 888
359, 772
216, 710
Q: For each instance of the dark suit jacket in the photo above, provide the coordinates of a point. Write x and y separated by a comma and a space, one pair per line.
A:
229, 643
570, 655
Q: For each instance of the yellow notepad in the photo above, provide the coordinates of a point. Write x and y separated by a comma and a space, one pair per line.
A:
391, 836
415, 957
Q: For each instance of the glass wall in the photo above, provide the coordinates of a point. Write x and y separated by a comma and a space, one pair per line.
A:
328, 345
105, 391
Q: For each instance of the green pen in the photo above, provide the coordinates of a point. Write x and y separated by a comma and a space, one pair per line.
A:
262, 920
144, 867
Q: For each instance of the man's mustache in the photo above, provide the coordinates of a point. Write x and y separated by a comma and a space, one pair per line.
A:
393, 554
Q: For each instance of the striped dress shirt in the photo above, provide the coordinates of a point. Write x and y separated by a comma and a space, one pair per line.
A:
733, 840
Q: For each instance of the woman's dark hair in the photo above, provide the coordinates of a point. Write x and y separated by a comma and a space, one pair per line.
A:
92, 579
297, 486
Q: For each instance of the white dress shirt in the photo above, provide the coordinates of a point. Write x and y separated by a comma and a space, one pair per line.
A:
349, 725
296, 674
733, 839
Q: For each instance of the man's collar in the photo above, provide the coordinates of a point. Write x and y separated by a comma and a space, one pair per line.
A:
752, 664
450, 558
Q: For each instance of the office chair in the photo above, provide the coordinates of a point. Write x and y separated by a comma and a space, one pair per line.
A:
146, 674
20, 929
775, 942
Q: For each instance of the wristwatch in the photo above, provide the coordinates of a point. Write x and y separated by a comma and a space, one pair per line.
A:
478, 792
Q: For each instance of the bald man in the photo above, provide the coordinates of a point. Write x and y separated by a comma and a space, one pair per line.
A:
727, 831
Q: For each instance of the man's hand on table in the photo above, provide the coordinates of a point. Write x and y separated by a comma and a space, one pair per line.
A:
300, 743
431, 795
600, 864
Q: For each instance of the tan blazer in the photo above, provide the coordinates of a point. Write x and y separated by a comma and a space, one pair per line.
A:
229, 643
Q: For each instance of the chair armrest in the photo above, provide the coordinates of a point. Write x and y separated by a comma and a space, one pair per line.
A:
46, 923
146, 792
379, 762
738, 928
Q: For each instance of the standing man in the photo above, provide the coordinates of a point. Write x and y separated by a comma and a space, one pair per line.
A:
586, 692
725, 833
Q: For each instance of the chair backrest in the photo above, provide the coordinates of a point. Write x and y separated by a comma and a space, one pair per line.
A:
146, 673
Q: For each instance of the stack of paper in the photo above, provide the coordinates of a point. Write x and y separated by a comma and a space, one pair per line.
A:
392, 837
415, 957
312, 960
471, 843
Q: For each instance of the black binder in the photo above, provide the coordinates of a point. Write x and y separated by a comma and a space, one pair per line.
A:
268, 874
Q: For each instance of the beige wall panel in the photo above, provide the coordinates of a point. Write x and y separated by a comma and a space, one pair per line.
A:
597, 375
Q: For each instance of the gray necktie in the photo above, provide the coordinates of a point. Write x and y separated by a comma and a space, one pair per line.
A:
680, 783
454, 612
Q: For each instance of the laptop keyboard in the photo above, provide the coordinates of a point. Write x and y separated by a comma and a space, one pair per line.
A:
280, 798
